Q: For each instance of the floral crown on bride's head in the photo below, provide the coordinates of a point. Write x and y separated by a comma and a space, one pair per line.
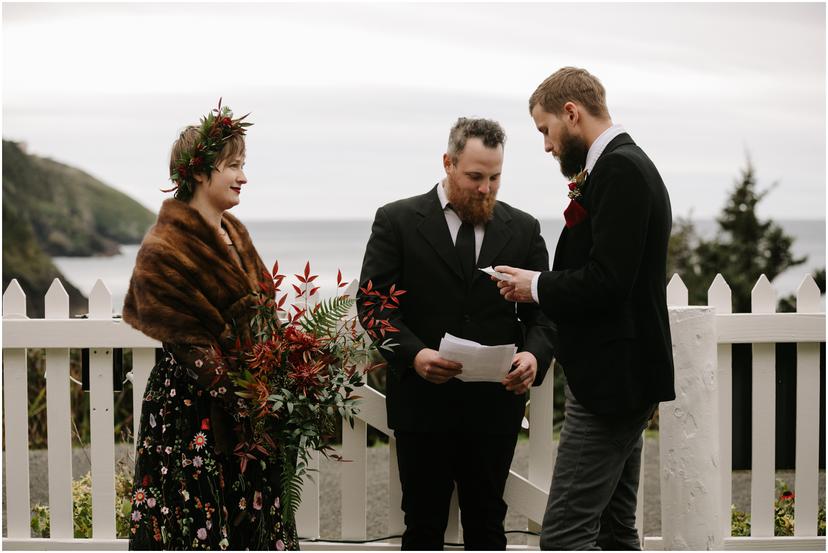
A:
215, 130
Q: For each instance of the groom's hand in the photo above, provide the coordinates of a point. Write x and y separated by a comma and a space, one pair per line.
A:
430, 366
521, 378
519, 286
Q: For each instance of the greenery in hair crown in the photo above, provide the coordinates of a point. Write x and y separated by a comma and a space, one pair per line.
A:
216, 128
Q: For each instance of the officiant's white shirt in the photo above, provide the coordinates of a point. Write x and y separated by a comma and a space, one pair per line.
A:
593, 154
454, 222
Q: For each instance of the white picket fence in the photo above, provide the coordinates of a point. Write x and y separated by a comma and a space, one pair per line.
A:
100, 333
763, 327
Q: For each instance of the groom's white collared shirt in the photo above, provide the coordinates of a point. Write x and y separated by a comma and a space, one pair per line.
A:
600, 145
595, 151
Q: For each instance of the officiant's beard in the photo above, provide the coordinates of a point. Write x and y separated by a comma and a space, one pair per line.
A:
470, 205
573, 155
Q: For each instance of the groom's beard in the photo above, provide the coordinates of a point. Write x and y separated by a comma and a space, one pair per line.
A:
573, 156
470, 205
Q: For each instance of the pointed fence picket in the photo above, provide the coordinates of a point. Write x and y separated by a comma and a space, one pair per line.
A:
102, 422
719, 296
15, 399
354, 475
58, 424
807, 418
763, 416
677, 296
307, 516
100, 332
677, 291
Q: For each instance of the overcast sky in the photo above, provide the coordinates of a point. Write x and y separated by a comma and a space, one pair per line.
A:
352, 103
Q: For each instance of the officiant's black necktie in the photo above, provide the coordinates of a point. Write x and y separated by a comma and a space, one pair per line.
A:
465, 249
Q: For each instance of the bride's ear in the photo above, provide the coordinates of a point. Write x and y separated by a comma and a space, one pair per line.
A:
200, 178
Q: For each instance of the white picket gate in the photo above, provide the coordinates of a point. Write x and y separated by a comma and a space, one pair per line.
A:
100, 333
763, 328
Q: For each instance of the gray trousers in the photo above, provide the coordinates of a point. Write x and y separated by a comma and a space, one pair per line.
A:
595, 482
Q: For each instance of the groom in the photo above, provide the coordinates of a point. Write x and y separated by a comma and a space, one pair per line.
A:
448, 431
606, 293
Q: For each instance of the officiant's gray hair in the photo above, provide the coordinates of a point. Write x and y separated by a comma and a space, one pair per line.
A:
490, 132
571, 84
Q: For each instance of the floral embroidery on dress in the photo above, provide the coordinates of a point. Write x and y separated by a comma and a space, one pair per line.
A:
188, 495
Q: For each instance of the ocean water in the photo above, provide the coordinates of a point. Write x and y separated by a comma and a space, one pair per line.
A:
330, 246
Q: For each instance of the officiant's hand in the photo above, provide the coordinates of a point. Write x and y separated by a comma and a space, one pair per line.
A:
430, 366
520, 379
519, 286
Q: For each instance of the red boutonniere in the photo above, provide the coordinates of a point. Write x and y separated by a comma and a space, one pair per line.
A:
577, 184
575, 212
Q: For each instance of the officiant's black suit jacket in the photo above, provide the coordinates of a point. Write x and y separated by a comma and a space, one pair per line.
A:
606, 292
410, 246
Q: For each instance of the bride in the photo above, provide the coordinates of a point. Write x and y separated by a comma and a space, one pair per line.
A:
190, 289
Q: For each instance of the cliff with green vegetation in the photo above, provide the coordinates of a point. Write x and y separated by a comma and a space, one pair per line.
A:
52, 209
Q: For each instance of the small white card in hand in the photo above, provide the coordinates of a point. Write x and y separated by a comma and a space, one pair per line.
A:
491, 272
480, 363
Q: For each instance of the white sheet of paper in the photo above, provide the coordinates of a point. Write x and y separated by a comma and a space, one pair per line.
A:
491, 272
480, 363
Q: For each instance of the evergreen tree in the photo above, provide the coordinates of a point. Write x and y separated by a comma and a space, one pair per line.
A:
743, 248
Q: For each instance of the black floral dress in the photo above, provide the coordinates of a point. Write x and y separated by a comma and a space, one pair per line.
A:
188, 493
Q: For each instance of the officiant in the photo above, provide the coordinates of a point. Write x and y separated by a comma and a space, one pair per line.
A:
450, 432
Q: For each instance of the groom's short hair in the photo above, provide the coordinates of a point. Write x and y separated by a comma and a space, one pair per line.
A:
490, 132
570, 84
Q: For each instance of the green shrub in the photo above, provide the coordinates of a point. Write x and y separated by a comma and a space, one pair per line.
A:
783, 507
739, 522
82, 507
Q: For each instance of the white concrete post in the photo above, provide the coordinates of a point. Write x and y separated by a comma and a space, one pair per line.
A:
689, 437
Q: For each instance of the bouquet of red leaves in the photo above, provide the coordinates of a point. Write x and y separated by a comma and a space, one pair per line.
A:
301, 370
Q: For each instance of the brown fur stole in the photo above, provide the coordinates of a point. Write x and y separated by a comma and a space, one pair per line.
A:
186, 288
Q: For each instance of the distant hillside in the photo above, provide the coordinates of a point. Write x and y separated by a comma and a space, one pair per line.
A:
71, 212
52, 209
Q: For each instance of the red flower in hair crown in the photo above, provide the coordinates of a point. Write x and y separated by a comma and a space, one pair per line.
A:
575, 212
216, 128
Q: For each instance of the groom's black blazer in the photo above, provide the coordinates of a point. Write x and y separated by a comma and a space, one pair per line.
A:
606, 292
410, 246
